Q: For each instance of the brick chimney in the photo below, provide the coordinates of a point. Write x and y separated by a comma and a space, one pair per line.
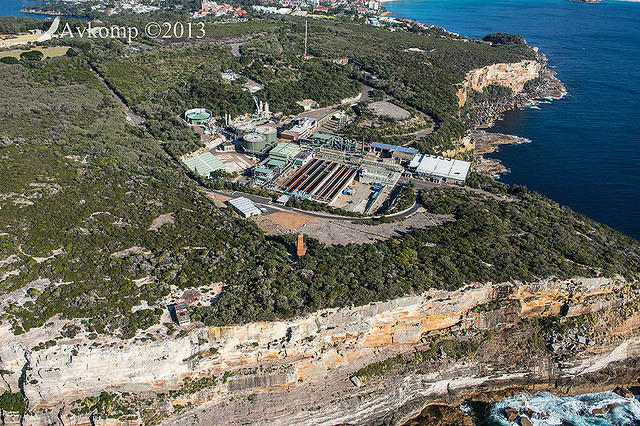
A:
301, 248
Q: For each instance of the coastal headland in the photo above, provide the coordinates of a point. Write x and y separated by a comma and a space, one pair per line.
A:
132, 293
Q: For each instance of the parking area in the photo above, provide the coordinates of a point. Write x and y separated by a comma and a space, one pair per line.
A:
361, 200
387, 109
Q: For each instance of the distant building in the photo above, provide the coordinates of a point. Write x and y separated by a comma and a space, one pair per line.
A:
401, 153
378, 176
197, 116
302, 158
263, 173
283, 199
229, 75
227, 147
284, 151
245, 207
303, 126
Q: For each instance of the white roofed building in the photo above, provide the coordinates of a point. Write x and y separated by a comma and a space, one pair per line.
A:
245, 207
441, 169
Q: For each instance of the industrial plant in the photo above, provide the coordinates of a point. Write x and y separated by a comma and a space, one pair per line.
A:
306, 157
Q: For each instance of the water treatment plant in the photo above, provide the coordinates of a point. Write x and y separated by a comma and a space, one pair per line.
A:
305, 157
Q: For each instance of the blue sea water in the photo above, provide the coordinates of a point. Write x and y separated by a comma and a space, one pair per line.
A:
13, 7
585, 150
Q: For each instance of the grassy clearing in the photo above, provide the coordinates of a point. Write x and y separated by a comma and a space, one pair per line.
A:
48, 52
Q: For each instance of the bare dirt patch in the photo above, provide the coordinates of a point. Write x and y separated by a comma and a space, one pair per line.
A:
388, 109
341, 232
163, 219
234, 161
288, 220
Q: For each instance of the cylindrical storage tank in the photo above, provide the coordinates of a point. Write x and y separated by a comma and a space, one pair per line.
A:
245, 128
197, 116
270, 133
254, 142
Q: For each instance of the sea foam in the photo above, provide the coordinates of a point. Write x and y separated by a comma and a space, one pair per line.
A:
546, 409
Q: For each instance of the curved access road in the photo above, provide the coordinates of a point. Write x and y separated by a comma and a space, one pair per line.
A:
268, 206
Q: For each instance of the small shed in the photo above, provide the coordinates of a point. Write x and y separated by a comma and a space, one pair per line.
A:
182, 315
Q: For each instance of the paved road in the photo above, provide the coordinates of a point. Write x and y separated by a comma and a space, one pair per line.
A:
269, 206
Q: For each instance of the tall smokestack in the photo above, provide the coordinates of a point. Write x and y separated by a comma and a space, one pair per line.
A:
301, 249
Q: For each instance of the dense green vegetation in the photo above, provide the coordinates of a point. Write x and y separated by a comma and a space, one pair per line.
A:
80, 188
505, 38
13, 402
32, 55
161, 82
9, 60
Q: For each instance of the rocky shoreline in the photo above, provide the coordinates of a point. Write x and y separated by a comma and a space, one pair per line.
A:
471, 409
547, 87
39, 12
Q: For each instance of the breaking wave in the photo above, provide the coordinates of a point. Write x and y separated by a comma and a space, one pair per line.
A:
590, 409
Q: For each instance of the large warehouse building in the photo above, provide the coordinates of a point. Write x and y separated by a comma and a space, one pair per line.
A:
205, 164
440, 169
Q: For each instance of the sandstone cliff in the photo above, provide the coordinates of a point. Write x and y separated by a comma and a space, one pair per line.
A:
511, 75
298, 371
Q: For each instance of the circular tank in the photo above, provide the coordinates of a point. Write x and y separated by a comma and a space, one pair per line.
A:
254, 142
197, 115
245, 128
269, 132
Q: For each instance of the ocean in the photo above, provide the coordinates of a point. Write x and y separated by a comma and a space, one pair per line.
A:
12, 8
545, 409
585, 148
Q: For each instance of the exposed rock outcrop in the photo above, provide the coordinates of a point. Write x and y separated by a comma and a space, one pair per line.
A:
511, 75
310, 360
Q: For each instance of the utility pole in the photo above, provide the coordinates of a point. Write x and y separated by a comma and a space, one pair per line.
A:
306, 34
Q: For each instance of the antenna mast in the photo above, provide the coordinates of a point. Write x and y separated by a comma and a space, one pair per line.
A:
306, 34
